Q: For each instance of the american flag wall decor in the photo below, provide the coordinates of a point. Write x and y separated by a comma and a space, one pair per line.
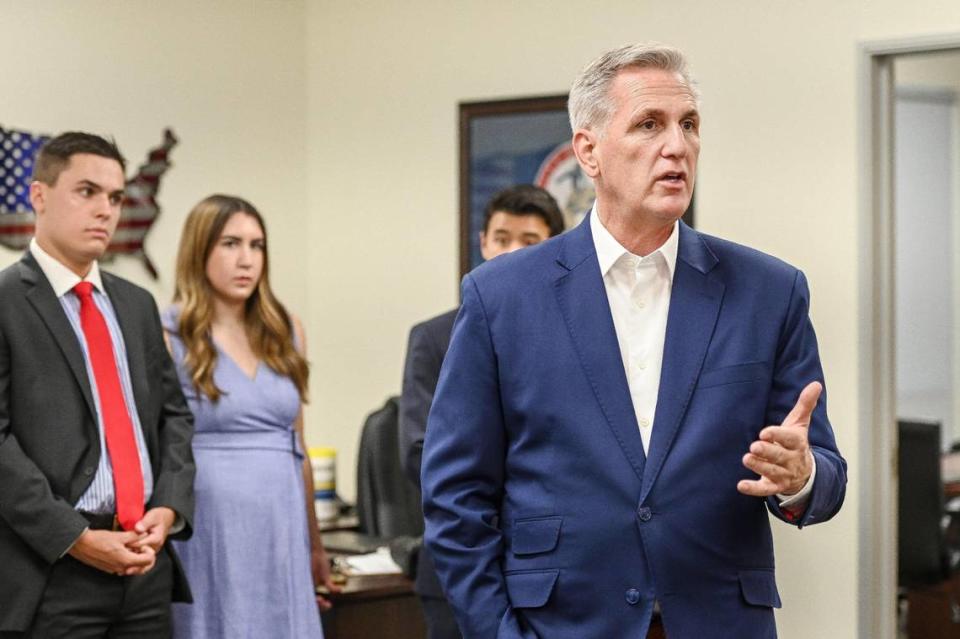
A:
140, 208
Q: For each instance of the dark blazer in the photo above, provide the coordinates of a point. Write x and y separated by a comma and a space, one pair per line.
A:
49, 443
425, 351
545, 517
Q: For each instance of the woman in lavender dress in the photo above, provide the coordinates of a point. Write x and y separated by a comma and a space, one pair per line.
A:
256, 553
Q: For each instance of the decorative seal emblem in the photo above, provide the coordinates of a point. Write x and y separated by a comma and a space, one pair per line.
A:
561, 176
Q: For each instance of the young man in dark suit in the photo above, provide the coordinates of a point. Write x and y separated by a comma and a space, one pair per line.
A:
96, 469
515, 217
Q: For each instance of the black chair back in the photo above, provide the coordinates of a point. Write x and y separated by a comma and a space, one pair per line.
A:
388, 505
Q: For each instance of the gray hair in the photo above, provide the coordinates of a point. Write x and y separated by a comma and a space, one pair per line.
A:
590, 105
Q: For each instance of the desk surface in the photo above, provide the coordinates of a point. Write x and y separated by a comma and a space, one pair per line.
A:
343, 522
373, 607
359, 587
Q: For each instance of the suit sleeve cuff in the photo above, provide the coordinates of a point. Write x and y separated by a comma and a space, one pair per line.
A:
73, 543
178, 524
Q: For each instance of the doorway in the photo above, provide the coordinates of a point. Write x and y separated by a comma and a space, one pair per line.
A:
908, 300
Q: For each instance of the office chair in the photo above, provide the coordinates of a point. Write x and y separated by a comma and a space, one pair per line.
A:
925, 534
388, 505
921, 552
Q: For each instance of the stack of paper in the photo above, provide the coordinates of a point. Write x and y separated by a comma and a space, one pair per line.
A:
375, 563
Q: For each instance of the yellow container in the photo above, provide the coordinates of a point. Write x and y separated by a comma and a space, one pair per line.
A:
324, 463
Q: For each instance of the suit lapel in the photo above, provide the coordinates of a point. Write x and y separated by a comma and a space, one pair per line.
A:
586, 311
132, 338
695, 301
40, 295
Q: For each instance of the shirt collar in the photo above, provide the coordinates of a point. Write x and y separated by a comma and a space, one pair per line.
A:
609, 250
61, 278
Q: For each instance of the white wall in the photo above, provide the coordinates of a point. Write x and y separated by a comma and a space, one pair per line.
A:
929, 69
924, 211
778, 171
932, 319
226, 76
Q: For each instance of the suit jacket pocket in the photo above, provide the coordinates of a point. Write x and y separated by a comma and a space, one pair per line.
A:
533, 536
733, 374
530, 589
759, 588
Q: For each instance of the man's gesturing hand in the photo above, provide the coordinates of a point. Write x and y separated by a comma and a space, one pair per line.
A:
782, 455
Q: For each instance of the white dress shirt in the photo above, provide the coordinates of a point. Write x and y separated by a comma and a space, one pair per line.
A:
638, 290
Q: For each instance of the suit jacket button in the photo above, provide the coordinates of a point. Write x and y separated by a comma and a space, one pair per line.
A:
644, 514
633, 596
88, 471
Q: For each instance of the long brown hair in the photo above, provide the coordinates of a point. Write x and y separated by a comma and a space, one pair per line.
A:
268, 325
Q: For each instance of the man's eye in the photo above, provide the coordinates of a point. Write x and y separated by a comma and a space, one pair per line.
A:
86, 191
648, 125
116, 200
689, 125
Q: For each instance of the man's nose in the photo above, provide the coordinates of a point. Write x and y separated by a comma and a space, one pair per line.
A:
515, 245
105, 207
675, 144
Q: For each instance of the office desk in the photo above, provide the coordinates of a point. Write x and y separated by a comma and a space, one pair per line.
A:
931, 613
375, 607
342, 522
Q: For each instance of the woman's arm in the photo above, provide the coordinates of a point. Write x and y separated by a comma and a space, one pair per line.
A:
319, 562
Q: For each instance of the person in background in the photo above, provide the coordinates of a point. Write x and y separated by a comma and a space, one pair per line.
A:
96, 471
515, 217
623, 408
256, 554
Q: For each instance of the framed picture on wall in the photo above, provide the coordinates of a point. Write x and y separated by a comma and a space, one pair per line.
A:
517, 141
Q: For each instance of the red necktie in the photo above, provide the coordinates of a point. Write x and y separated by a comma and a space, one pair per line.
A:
117, 427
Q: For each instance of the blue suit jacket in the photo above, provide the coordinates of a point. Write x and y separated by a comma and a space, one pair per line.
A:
544, 516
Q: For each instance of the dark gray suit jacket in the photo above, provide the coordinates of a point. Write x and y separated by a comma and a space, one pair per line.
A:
425, 352
49, 442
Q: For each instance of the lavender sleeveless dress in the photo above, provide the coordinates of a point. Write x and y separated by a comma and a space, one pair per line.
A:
248, 562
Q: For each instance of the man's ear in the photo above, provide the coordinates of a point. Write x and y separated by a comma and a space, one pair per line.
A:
38, 196
483, 244
584, 147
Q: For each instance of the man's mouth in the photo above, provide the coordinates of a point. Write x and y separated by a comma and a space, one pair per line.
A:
673, 177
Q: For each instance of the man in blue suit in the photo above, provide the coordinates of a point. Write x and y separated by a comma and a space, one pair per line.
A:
620, 406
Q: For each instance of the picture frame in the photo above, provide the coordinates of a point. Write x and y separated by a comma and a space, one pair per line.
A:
518, 141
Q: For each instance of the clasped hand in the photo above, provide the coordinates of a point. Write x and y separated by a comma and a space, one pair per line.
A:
781, 455
126, 552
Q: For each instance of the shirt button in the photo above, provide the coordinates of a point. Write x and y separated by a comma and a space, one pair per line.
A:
644, 422
644, 514
633, 596
88, 471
